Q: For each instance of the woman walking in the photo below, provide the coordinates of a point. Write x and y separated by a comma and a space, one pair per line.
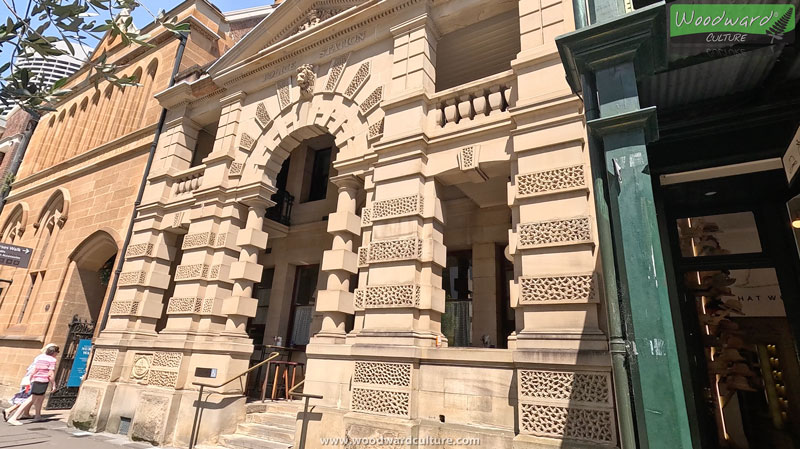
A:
43, 372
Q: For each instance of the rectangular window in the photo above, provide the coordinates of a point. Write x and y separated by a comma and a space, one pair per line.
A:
320, 174
457, 285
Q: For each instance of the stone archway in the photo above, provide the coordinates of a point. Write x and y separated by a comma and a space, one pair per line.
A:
88, 275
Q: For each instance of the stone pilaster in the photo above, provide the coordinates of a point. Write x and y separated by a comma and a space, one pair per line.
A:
340, 262
403, 300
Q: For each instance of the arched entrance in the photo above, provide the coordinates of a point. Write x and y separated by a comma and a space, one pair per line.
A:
82, 296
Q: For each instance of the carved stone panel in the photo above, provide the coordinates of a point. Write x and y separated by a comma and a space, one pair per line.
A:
397, 207
389, 296
567, 405
558, 232
551, 181
565, 289
393, 250
382, 388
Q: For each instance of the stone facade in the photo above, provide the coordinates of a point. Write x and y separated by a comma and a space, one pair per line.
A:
73, 197
494, 167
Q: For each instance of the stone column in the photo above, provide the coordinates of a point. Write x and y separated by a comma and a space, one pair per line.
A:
246, 271
340, 262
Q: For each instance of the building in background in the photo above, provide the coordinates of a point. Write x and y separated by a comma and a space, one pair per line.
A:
73, 198
50, 69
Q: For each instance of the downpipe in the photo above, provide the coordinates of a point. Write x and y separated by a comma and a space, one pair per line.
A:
142, 185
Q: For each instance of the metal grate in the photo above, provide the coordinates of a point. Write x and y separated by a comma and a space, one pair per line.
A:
124, 425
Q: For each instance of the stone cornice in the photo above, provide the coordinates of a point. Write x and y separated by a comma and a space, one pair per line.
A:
644, 119
639, 36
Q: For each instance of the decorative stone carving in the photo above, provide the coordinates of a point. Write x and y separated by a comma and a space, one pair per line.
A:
382, 402
335, 73
381, 373
468, 157
306, 79
132, 278
551, 181
372, 101
397, 207
366, 217
584, 387
103, 364
283, 95
141, 366
102, 373
591, 425
570, 405
177, 220
221, 239
208, 305
198, 240
375, 130
568, 231
358, 299
158, 369
139, 250
557, 289
184, 305
167, 359
392, 250
105, 356
195, 271
121, 307
262, 116
361, 77
246, 142
388, 296
214, 273
363, 256
315, 16
236, 169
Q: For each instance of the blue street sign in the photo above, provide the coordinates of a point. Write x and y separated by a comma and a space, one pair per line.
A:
79, 363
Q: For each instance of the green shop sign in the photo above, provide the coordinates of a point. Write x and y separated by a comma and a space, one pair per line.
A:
732, 23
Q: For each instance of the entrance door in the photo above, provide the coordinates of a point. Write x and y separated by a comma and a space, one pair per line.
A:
735, 271
303, 301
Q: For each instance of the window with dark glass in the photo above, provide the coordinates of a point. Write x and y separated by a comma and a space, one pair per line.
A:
320, 173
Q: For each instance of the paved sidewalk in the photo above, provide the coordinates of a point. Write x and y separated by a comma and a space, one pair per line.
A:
54, 434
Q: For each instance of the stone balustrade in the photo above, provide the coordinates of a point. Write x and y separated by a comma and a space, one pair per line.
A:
188, 181
474, 100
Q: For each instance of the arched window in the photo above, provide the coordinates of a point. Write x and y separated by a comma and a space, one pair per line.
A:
50, 221
15, 224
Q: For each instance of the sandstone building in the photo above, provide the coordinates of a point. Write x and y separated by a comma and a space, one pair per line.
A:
74, 194
397, 189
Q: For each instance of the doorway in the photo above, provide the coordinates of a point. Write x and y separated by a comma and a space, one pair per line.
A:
736, 290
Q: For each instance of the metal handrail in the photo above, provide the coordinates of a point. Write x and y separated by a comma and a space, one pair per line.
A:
304, 428
202, 385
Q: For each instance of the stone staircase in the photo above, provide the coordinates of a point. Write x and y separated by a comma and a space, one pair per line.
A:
268, 425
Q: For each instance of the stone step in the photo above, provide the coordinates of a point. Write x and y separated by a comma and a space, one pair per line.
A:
281, 407
278, 434
272, 419
247, 442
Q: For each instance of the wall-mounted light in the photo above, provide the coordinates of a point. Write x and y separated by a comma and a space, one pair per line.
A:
796, 221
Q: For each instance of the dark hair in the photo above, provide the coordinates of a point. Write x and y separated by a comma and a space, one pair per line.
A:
51, 350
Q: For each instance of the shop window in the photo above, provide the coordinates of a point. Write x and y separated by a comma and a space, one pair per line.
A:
477, 51
718, 235
457, 285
